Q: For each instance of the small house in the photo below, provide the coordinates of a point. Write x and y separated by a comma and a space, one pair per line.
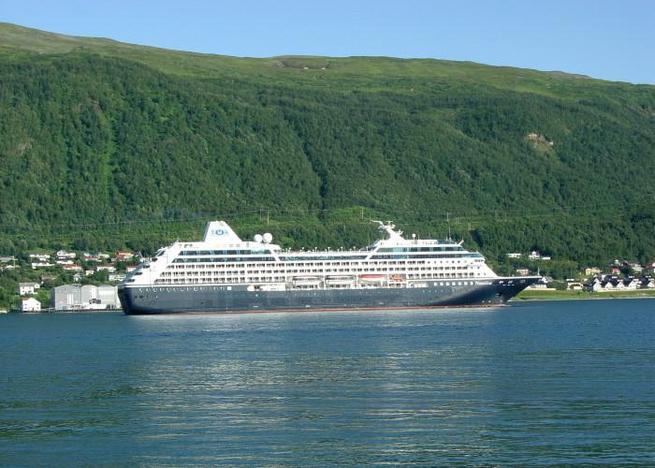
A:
534, 255
64, 255
40, 257
116, 277
27, 289
123, 256
64, 262
631, 283
30, 305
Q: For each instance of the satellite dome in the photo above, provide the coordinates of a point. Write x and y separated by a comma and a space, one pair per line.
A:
258, 238
268, 237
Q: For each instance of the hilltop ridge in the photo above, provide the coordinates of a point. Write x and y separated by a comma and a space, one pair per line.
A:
196, 63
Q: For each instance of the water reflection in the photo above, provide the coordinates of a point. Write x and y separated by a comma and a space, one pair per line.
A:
310, 384
538, 382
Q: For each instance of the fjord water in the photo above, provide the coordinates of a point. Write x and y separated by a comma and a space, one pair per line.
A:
557, 382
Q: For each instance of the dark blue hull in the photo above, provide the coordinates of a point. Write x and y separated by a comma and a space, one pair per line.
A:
235, 299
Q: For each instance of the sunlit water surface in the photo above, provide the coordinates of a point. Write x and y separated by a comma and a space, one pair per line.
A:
559, 382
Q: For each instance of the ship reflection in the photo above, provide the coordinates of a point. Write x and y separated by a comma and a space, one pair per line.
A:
301, 385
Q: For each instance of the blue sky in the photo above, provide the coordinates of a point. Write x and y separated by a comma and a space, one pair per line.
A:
609, 39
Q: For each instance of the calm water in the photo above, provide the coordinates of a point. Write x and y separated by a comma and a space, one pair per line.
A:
568, 382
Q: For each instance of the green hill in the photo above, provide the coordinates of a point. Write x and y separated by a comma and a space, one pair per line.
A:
104, 144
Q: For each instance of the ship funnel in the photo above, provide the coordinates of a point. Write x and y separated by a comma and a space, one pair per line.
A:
219, 232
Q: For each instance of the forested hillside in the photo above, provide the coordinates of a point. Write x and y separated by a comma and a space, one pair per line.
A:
105, 144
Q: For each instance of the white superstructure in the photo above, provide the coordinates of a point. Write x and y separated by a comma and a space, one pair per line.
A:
222, 258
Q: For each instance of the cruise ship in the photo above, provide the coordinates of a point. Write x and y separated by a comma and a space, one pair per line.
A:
224, 274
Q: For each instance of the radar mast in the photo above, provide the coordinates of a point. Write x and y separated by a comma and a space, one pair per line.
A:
389, 228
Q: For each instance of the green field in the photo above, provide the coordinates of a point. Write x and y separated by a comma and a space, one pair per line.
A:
534, 295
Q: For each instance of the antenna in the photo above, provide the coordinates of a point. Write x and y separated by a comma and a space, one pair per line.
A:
448, 222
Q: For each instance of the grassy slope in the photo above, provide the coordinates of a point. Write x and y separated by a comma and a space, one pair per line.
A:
320, 70
410, 139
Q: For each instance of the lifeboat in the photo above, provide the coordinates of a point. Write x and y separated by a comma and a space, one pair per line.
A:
372, 278
306, 280
344, 279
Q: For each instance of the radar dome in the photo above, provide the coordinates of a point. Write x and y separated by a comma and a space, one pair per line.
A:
268, 237
258, 238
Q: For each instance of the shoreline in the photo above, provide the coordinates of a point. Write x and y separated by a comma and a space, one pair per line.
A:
537, 295
523, 296
64, 311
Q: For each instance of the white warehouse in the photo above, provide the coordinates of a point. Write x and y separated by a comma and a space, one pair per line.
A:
87, 297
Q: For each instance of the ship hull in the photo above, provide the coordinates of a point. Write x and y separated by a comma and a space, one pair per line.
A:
139, 300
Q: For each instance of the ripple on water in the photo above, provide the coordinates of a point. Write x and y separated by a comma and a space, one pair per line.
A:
533, 383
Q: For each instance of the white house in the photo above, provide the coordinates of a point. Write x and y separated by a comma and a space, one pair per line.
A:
40, 257
612, 285
597, 285
26, 289
89, 257
64, 262
30, 305
122, 256
534, 255
116, 277
63, 255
